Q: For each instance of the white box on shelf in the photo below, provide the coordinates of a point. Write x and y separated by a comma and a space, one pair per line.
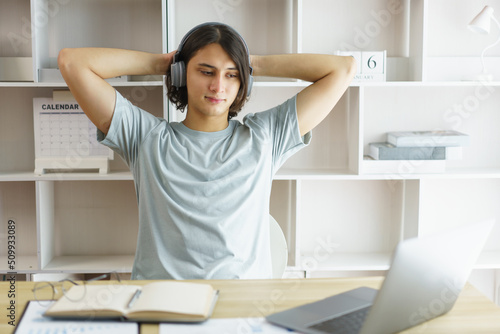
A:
371, 64
16, 69
428, 138
386, 151
49, 75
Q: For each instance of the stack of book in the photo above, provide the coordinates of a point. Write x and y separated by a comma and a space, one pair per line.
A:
420, 145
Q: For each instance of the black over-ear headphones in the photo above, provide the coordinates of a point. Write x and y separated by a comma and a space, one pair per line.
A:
178, 67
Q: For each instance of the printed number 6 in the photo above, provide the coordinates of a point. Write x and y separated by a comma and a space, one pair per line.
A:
371, 62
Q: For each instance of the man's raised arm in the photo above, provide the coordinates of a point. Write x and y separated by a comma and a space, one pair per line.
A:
85, 71
330, 75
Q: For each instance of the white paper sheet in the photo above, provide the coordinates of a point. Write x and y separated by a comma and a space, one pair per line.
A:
34, 322
224, 326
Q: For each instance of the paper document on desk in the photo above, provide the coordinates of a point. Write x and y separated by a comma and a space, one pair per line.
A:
224, 326
33, 321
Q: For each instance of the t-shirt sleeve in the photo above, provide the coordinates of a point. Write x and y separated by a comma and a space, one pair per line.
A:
129, 127
282, 126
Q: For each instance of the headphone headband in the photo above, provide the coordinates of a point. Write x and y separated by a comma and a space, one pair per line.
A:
178, 67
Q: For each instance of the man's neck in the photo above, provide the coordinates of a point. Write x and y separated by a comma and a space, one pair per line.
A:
207, 123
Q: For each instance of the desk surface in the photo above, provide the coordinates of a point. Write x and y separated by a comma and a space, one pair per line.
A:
473, 312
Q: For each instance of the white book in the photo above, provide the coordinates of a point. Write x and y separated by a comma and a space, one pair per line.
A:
428, 138
386, 151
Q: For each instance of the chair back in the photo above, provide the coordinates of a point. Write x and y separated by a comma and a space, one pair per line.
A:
279, 248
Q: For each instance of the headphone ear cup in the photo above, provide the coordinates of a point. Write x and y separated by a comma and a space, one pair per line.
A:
178, 74
250, 84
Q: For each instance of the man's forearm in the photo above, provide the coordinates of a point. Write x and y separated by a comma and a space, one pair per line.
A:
109, 63
307, 67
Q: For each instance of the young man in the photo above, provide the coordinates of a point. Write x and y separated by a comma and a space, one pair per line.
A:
203, 185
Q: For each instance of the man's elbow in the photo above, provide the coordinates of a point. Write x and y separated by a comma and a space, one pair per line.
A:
63, 60
350, 66
343, 69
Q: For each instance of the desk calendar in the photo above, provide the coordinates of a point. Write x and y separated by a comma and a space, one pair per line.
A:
65, 139
371, 65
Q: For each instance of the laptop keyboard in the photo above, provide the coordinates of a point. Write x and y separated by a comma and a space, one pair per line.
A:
345, 324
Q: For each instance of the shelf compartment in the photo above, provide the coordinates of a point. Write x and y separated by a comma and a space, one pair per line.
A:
15, 25
392, 26
381, 26
338, 231
466, 109
86, 218
334, 144
94, 23
268, 26
17, 204
17, 130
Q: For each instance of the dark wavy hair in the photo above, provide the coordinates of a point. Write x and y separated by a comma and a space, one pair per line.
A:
232, 43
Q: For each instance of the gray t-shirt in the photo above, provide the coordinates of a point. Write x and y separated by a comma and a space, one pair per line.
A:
203, 196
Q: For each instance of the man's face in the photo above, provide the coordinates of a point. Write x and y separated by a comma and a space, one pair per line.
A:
213, 82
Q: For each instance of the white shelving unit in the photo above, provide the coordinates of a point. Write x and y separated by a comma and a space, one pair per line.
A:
342, 214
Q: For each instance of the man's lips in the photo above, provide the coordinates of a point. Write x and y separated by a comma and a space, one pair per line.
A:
212, 99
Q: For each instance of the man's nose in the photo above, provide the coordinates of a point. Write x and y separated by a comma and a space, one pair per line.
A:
217, 83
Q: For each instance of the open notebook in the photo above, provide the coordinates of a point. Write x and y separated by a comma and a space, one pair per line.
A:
153, 302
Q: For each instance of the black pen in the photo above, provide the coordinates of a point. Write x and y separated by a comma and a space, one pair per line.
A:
134, 298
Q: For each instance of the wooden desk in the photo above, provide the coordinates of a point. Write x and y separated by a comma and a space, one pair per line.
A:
473, 312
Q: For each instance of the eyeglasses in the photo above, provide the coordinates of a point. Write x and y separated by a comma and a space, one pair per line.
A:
45, 292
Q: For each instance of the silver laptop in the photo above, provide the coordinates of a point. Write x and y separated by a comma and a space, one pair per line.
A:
424, 281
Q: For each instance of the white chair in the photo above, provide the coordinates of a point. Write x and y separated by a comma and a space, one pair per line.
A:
279, 248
